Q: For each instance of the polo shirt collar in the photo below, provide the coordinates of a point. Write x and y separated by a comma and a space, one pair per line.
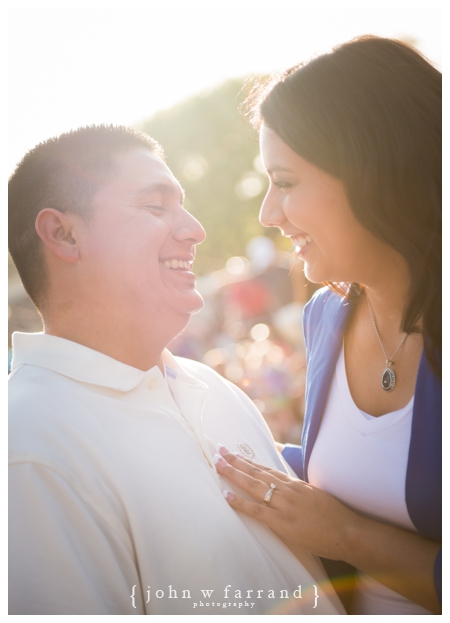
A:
80, 363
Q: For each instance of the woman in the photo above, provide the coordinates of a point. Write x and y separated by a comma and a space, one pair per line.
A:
351, 142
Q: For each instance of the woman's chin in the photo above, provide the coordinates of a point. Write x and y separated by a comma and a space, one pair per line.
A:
314, 275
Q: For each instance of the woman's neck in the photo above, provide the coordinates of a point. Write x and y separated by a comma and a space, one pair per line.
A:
388, 296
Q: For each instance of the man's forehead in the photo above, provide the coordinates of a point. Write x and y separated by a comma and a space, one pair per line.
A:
140, 162
139, 172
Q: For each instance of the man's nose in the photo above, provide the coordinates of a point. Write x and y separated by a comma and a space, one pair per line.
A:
271, 213
190, 229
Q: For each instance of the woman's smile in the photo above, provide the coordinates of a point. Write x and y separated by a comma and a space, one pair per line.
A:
310, 207
301, 243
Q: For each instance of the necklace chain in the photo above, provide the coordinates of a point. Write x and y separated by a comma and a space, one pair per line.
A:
389, 360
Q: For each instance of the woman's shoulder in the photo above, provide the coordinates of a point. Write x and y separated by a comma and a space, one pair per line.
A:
326, 309
322, 299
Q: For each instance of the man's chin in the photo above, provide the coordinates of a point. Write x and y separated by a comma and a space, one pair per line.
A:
198, 306
191, 304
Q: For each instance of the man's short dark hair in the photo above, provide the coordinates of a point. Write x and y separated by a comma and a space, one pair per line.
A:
62, 173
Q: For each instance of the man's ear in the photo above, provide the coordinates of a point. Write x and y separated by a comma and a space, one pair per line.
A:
58, 232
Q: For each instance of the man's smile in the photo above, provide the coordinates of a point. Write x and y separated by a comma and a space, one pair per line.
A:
178, 264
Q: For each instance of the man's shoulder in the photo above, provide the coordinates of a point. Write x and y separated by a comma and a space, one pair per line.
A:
209, 376
27, 381
218, 385
33, 386
42, 404
200, 371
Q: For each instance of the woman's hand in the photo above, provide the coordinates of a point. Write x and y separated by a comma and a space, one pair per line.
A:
302, 515
298, 512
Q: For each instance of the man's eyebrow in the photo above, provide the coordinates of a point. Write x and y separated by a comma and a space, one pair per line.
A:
163, 188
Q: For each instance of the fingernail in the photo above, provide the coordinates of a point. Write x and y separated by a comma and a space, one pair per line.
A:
228, 495
223, 451
218, 460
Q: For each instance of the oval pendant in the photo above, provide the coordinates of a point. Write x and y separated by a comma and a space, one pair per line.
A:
388, 379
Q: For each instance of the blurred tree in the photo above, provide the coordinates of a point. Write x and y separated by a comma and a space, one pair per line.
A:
213, 151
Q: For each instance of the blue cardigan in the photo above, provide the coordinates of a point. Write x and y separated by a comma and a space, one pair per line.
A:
324, 321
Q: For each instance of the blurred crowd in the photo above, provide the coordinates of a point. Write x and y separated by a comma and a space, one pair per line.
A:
249, 330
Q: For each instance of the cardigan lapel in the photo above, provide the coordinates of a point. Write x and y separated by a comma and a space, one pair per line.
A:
324, 328
424, 472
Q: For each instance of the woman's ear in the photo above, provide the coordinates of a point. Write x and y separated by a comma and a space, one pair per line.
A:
58, 233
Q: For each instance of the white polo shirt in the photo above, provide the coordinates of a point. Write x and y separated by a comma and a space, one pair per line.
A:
115, 503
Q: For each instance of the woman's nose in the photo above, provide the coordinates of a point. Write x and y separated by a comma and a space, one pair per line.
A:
271, 213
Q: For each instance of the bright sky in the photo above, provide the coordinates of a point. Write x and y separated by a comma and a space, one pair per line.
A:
73, 67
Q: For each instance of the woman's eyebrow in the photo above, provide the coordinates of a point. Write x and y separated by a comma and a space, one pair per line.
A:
281, 169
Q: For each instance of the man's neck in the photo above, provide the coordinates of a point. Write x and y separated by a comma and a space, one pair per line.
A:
139, 349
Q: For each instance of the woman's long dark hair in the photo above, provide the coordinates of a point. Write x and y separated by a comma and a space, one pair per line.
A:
369, 113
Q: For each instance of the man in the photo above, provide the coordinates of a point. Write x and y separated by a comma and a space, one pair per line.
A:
116, 505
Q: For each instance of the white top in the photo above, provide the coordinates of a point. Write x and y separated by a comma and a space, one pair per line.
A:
362, 461
113, 492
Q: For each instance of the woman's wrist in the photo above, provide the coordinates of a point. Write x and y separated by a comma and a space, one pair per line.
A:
353, 531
